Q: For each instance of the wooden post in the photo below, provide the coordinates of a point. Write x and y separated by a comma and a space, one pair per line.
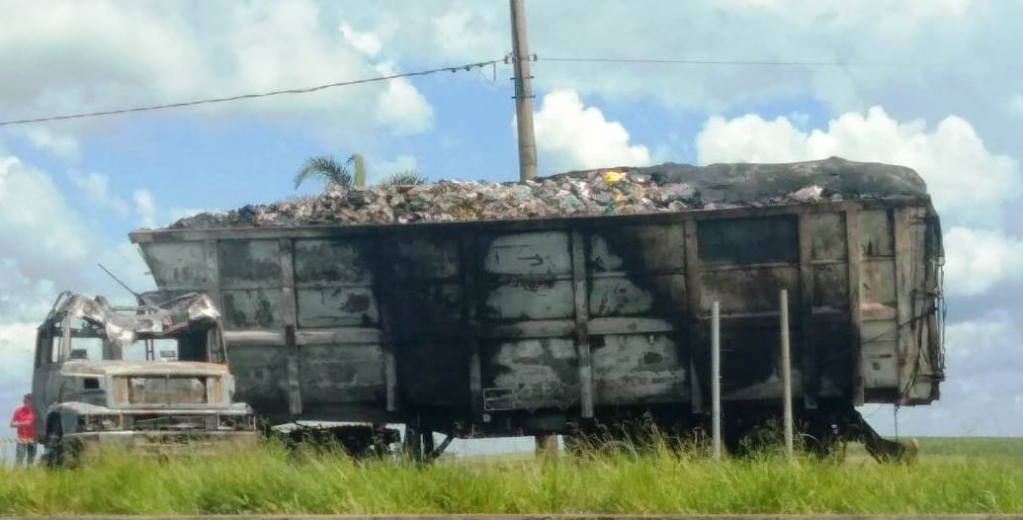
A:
715, 375
786, 372
547, 446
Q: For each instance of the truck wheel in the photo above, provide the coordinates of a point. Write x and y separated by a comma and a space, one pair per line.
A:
54, 455
60, 452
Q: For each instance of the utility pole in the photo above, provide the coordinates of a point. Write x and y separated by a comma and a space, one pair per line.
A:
786, 371
523, 92
715, 376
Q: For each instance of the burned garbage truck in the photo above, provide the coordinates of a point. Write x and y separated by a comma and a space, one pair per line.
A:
151, 378
581, 299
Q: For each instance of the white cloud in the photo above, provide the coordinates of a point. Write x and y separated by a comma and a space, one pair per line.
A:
947, 57
38, 232
97, 188
45, 249
17, 342
981, 395
968, 183
145, 208
365, 42
124, 54
975, 260
61, 145
380, 169
571, 135
401, 107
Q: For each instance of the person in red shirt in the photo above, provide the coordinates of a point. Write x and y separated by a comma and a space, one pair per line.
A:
24, 421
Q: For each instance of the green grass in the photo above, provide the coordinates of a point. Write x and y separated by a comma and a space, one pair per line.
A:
975, 479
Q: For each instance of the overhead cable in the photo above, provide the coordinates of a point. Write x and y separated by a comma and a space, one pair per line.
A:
719, 62
305, 90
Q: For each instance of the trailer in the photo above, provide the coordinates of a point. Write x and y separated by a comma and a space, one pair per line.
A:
558, 325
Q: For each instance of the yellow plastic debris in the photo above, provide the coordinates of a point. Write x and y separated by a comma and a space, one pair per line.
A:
613, 177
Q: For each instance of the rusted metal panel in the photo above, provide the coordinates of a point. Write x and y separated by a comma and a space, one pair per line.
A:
878, 283
177, 266
541, 373
529, 300
695, 335
519, 254
750, 290
249, 264
288, 305
213, 273
343, 373
582, 318
261, 378
880, 354
810, 370
634, 295
748, 241
337, 307
639, 369
831, 288
423, 258
468, 251
252, 308
876, 233
425, 307
751, 359
332, 262
436, 373
293, 382
827, 236
855, 253
345, 336
638, 249
601, 326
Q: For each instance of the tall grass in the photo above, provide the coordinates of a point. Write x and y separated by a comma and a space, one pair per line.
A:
273, 480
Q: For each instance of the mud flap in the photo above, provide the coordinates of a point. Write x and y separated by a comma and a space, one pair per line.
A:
883, 450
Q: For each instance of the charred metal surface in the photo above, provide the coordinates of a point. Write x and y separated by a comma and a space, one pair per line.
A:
492, 323
106, 374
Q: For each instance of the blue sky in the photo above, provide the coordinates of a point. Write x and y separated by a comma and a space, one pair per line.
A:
71, 191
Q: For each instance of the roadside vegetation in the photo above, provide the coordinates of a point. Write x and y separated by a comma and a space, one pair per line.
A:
961, 476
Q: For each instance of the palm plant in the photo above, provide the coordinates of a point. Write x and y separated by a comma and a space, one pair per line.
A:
333, 172
405, 178
350, 174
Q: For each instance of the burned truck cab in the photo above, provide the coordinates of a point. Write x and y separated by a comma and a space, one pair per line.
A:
152, 376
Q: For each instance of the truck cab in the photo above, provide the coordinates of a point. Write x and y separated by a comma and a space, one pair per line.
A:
152, 376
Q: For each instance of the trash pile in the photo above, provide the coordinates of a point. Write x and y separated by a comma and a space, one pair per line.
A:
618, 191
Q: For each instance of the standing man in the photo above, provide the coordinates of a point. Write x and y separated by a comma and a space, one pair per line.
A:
24, 421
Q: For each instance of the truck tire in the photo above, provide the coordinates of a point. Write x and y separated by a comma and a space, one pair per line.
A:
60, 452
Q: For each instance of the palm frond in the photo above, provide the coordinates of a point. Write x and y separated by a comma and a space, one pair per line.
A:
405, 178
359, 166
326, 167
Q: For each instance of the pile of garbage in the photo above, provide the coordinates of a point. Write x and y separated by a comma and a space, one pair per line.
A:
617, 191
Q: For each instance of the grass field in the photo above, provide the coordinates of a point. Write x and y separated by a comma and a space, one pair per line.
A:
951, 476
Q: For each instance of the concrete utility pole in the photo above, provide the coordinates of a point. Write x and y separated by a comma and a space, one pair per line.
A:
523, 92
786, 371
715, 376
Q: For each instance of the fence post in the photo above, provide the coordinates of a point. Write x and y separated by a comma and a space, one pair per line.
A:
715, 376
786, 372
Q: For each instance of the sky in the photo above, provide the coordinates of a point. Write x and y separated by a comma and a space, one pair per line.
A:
929, 84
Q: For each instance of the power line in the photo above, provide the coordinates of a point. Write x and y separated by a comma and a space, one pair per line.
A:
306, 90
721, 62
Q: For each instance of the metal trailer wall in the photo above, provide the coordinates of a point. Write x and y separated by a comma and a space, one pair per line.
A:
497, 327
